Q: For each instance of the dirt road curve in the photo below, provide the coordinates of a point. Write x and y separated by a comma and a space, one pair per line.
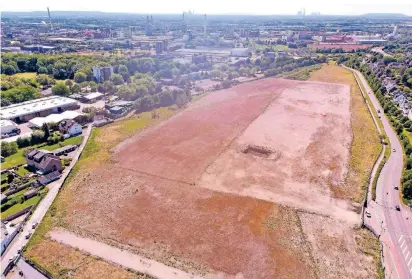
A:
395, 227
121, 257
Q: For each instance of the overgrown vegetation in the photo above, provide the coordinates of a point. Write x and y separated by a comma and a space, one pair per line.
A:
301, 73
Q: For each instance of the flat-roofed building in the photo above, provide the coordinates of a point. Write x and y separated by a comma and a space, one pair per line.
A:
7, 126
37, 108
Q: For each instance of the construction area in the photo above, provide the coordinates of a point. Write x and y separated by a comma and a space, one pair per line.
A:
243, 183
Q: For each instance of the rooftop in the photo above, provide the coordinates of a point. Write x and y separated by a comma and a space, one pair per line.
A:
93, 95
54, 118
5, 123
34, 106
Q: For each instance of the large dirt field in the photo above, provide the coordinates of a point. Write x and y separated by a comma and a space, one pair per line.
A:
307, 132
239, 184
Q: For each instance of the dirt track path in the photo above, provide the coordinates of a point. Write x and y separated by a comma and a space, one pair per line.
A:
121, 257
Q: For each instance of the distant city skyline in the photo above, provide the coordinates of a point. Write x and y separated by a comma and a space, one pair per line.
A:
259, 7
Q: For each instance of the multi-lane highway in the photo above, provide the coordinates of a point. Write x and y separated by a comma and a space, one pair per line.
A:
394, 226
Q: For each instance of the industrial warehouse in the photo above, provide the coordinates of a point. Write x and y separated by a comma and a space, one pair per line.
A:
43, 107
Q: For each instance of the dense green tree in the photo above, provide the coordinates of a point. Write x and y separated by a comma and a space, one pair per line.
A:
69, 83
8, 70
44, 80
37, 137
122, 69
75, 88
117, 79
146, 103
19, 94
407, 190
109, 87
409, 163
80, 77
60, 89
42, 70
166, 98
8, 148
46, 131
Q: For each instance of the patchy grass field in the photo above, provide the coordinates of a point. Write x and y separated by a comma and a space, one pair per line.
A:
25, 75
365, 147
62, 261
301, 73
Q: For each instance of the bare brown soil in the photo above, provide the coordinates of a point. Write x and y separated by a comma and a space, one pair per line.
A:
335, 248
193, 228
308, 130
182, 148
184, 193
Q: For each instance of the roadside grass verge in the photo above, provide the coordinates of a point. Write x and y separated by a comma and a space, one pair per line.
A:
365, 146
378, 171
383, 137
370, 245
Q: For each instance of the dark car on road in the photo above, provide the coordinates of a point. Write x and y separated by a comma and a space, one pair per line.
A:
398, 208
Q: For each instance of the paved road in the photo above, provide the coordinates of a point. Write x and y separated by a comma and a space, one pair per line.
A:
395, 226
20, 240
28, 271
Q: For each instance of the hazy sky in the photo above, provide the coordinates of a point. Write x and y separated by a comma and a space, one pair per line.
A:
351, 7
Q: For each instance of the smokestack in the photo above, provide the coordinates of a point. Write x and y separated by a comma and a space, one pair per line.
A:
48, 12
183, 24
204, 26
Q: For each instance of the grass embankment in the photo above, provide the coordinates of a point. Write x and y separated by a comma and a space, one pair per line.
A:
383, 137
365, 147
44, 252
18, 158
370, 245
364, 151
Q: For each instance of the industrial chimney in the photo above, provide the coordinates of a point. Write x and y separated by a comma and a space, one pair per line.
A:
204, 26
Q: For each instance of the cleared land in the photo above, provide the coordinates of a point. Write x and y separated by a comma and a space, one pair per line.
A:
365, 146
306, 130
154, 196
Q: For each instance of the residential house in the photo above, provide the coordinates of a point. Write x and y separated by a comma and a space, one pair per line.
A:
43, 161
70, 127
50, 177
